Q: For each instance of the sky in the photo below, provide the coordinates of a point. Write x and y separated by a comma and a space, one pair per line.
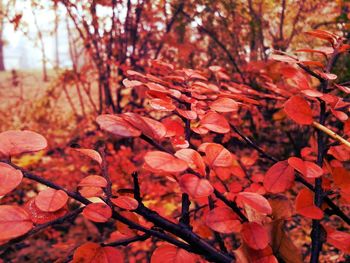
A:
22, 51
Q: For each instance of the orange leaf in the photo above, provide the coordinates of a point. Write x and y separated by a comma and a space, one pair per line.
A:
40, 217
165, 162
97, 212
117, 126
172, 254
18, 142
195, 187
306, 168
255, 235
94, 155
14, 222
51, 200
216, 155
93, 181
187, 114
215, 122
125, 202
10, 178
279, 177
149, 127
94, 253
224, 105
298, 110
304, 205
255, 201
223, 220
193, 158
162, 104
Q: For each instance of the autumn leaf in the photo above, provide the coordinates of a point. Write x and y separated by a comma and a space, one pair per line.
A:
17, 142
195, 187
223, 220
306, 168
224, 105
193, 159
279, 177
165, 162
304, 205
255, 201
97, 212
117, 126
51, 200
215, 123
298, 110
10, 178
94, 253
255, 235
216, 155
94, 155
171, 254
125, 202
93, 181
14, 222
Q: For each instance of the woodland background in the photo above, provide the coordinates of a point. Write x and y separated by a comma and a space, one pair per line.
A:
63, 62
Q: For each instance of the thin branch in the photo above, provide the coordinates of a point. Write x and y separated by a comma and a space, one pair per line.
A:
331, 133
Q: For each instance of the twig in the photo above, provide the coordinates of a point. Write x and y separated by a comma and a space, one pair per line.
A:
331, 133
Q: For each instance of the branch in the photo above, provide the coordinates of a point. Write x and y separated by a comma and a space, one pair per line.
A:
127, 241
200, 245
331, 133
218, 42
115, 215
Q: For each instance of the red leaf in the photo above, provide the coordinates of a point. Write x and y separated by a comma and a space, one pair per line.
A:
94, 155
255, 201
215, 122
224, 105
173, 127
162, 104
223, 220
10, 178
94, 253
298, 110
97, 212
51, 200
304, 205
255, 235
14, 222
193, 159
279, 177
117, 126
195, 187
306, 168
149, 127
216, 155
40, 217
18, 142
187, 114
172, 254
125, 202
93, 181
165, 162
283, 58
